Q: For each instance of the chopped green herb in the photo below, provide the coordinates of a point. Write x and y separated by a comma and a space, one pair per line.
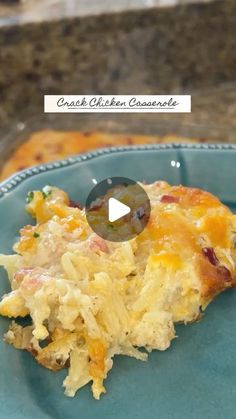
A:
30, 197
36, 235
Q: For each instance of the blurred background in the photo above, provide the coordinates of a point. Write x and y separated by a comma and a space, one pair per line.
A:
113, 47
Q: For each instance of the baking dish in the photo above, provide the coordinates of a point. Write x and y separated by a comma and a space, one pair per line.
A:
149, 124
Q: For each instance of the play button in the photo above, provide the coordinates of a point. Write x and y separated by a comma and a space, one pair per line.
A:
117, 209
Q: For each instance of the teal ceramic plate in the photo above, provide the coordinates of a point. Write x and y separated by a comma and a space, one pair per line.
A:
196, 377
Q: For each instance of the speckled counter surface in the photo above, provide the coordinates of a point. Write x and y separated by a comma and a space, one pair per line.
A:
28, 11
185, 49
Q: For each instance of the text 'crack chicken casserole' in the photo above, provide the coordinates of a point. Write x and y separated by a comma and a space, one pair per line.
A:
90, 299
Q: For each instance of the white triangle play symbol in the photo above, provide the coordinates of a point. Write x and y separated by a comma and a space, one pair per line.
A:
116, 210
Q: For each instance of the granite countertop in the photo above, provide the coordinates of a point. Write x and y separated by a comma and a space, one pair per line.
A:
169, 50
29, 11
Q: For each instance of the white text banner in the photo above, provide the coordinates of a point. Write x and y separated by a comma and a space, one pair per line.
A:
117, 103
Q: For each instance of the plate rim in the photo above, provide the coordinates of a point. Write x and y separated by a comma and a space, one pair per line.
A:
13, 181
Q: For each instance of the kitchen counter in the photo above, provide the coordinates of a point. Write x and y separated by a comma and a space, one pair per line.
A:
29, 11
185, 49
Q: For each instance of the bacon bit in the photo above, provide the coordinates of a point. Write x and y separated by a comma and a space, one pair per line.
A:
98, 244
20, 275
39, 157
211, 256
222, 271
31, 284
74, 204
34, 281
170, 199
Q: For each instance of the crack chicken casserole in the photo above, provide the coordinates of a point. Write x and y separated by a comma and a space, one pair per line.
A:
89, 299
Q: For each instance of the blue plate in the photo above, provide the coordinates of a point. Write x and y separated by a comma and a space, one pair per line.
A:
196, 377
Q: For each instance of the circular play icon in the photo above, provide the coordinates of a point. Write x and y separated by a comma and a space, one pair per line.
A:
117, 209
